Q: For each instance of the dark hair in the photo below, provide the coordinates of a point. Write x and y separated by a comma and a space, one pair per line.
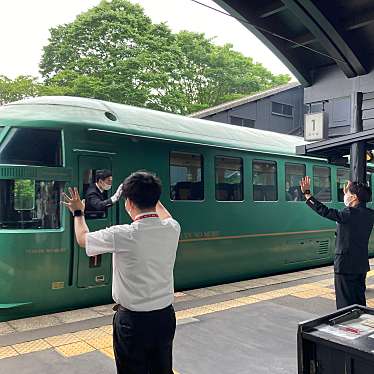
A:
103, 174
143, 189
362, 191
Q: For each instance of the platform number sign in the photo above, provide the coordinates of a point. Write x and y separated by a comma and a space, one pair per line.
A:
315, 126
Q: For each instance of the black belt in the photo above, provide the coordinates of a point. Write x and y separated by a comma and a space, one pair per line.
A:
119, 307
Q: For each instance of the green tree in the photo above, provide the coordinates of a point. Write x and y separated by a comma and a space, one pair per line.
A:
215, 74
114, 52
17, 89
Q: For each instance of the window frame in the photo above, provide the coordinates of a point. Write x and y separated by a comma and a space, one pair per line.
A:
285, 180
241, 177
202, 176
8, 129
283, 105
330, 179
61, 212
276, 180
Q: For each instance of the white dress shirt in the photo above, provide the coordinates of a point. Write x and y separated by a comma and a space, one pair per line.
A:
143, 260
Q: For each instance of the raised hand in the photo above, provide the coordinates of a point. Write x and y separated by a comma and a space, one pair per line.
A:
305, 184
117, 195
73, 202
346, 187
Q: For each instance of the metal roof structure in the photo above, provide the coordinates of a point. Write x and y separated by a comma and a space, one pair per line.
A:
307, 35
92, 115
244, 100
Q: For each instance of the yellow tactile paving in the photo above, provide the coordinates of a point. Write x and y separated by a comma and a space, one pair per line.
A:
107, 328
56, 341
108, 352
96, 333
217, 307
74, 349
31, 346
326, 282
8, 351
330, 296
247, 300
193, 312
370, 303
100, 343
312, 293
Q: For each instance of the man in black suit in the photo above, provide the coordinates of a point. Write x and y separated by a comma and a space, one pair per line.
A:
96, 201
354, 225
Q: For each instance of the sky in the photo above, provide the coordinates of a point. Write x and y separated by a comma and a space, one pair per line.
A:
25, 24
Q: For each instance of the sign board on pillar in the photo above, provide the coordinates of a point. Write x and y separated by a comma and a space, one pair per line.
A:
315, 126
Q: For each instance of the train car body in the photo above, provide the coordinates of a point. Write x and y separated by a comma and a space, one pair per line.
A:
233, 190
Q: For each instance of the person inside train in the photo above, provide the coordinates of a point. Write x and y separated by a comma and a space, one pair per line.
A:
144, 254
354, 226
95, 197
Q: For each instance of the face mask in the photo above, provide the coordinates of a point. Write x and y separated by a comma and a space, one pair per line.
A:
347, 200
105, 186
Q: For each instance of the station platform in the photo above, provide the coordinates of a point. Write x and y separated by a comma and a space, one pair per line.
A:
242, 327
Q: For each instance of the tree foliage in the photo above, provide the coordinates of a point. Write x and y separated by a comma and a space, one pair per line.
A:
114, 52
17, 89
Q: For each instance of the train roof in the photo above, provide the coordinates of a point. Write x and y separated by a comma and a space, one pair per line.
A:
97, 116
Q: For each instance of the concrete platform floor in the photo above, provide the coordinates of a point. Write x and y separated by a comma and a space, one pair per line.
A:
243, 327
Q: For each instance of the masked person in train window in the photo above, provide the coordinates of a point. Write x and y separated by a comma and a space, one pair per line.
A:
97, 202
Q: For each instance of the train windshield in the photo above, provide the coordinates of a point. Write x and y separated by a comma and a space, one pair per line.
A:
30, 204
37, 147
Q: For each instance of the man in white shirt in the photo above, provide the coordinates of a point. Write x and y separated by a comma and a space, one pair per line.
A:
143, 286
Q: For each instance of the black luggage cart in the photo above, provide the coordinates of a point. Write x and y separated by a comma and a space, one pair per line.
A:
338, 343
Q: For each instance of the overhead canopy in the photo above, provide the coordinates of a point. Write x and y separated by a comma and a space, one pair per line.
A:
334, 149
341, 29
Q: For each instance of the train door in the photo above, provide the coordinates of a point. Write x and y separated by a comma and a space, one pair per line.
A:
96, 270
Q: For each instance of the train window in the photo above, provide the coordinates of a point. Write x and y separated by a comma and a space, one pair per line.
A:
89, 177
186, 176
342, 177
229, 178
294, 173
29, 204
25, 146
322, 183
24, 194
264, 180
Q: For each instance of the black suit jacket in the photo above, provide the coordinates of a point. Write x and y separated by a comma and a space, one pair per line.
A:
354, 227
95, 200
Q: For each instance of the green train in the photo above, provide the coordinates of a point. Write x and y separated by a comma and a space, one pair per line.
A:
234, 190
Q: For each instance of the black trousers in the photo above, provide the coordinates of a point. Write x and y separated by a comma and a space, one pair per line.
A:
350, 289
143, 341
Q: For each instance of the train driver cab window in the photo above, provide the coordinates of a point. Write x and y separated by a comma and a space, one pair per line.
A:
294, 173
30, 204
322, 183
89, 178
44, 147
229, 179
186, 176
265, 187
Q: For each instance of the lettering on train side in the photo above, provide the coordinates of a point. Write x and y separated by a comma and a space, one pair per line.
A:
199, 234
38, 251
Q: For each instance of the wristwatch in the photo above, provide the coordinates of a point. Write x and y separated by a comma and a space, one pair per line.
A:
77, 213
306, 192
